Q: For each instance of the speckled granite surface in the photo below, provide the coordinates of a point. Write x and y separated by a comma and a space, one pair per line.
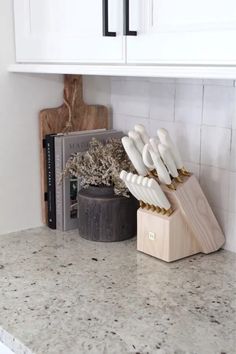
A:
61, 294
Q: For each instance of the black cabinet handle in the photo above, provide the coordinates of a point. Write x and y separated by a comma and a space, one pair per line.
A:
105, 20
127, 31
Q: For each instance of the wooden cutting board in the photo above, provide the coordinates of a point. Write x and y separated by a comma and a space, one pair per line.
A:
55, 120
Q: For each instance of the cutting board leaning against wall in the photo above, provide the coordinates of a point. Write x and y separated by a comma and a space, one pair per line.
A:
73, 115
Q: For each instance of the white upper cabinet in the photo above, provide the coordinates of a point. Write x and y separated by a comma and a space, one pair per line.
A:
188, 32
182, 32
69, 31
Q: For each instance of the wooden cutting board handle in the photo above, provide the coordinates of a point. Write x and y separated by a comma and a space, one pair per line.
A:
55, 120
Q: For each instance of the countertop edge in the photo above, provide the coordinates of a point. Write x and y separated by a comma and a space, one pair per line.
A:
13, 343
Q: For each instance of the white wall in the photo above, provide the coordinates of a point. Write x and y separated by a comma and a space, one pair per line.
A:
21, 98
201, 117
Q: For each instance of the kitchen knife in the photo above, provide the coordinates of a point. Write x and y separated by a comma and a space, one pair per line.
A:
155, 204
169, 162
139, 180
147, 159
161, 170
154, 144
132, 187
134, 156
166, 140
160, 195
137, 140
144, 201
139, 128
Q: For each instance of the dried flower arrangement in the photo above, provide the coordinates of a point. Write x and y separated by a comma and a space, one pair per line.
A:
101, 165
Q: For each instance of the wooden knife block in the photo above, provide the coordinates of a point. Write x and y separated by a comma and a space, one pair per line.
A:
191, 229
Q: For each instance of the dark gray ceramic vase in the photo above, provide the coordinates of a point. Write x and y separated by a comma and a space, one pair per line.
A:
105, 217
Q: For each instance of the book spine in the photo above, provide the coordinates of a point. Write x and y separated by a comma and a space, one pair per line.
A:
50, 161
59, 184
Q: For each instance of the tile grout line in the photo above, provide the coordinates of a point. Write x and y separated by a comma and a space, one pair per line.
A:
202, 112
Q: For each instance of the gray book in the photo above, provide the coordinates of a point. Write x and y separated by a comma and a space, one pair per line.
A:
66, 190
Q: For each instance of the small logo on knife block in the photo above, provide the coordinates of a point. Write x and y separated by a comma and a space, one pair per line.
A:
151, 236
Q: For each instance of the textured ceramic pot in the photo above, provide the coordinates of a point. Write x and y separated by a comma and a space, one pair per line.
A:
105, 217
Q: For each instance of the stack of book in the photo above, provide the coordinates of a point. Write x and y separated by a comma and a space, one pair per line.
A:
62, 193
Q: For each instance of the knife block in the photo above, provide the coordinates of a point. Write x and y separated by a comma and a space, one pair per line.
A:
191, 229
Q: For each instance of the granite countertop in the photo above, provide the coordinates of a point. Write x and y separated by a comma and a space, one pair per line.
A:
61, 294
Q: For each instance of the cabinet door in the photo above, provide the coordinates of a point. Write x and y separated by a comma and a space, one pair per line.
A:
68, 31
182, 32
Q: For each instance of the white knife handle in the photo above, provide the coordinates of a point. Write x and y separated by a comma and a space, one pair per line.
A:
162, 172
127, 178
166, 140
159, 194
137, 140
133, 182
147, 199
153, 201
123, 176
138, 182
139, 128
147, 158
154, 144
168, 160
134, 156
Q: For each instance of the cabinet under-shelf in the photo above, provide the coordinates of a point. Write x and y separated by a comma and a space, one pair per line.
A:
165, 71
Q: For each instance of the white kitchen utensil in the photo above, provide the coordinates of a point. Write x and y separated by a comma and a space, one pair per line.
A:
139, 128
162, 172
139, 190
145, 186
134, 156
146, 196
132, 187
160, 195
154, 202
147, 159
154, 144
137, 140
169, 162
166, 140
126, 177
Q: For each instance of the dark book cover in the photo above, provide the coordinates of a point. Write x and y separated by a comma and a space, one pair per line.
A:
50, 168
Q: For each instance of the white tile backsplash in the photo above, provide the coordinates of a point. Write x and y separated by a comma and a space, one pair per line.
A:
231, 233
219, 106
215, 183
188, 103
201, 118
215, 147
222, 217
232, 192
130, 97
218, 82
193, 167
126, 123
162, 100
233, 152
